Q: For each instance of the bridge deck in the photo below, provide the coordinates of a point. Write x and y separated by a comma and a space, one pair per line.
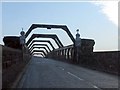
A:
48, 73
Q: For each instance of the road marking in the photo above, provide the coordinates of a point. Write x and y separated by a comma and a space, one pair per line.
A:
95, 86
61, 68
80, 78
74, 76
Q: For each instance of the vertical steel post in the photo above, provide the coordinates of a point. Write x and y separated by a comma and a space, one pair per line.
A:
22, 42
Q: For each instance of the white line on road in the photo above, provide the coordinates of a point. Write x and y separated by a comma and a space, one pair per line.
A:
74, 76
95, 86
80, 78
83, 80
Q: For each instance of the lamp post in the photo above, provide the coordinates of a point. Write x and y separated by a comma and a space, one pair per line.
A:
77, 46
22, 42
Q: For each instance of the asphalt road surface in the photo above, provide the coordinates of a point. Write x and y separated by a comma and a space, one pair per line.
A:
48, 73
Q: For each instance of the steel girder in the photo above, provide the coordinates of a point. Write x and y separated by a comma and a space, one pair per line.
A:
39, 48
63, 27
40, 45
39, 54
39, 51
53, 36
42, 41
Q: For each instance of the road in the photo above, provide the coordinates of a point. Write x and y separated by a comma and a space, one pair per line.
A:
48, 73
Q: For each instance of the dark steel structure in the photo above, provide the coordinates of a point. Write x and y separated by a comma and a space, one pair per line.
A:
68, 53
39, 51
40, 45
41, 41
63, 27
40, 48
53, 36
39, 54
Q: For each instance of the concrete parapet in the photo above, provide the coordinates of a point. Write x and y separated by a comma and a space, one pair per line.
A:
12, 41
12, 65
108, 61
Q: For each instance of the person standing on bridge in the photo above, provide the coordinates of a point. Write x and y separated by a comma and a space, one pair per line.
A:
77, 46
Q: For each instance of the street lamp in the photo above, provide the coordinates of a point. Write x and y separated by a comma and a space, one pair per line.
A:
22, 42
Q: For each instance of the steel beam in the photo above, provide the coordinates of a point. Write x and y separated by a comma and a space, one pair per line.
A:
41, 41
63, 27
53, 36
39, 54
39, 48
40, 45
39, 51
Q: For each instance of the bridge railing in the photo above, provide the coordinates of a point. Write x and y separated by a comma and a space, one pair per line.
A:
68, 53
65, 53
103, 61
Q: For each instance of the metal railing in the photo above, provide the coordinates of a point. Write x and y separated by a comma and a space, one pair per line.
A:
69, 53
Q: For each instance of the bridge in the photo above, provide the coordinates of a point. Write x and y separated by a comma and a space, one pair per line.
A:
62, 67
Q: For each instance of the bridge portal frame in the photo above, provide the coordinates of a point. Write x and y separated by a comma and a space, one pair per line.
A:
41, 41
39, 51
48, 26
39, 54
40, 45
39, 48
53, 36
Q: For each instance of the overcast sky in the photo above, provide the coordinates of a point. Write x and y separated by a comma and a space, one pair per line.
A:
96, 20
